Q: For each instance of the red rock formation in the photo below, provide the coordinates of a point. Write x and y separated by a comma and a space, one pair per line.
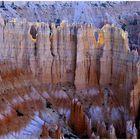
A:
51, 132
86, 70
78, 120
79, 55
45, 132
55, 132
58, 134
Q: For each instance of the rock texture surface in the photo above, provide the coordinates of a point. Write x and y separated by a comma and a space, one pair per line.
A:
45, 67
78, 121
124, 14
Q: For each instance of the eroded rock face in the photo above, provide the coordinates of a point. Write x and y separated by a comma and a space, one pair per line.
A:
78, 121
66, 62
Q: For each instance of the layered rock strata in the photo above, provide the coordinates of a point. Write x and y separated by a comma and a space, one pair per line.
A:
82, 56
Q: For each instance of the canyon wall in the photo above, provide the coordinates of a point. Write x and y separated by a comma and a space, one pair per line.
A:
78, 55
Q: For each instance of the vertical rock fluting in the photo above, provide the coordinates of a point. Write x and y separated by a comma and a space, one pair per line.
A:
89, 43
44, 58
78, 120
52, 132
63, 48
81, 55
45, 132
115, 50
120, 69
64, 55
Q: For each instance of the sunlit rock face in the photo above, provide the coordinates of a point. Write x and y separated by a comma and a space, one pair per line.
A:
78, 121
52, 74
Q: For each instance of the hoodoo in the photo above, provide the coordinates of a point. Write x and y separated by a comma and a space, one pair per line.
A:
68, 80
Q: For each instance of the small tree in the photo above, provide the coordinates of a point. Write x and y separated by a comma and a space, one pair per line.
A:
2, 4
12, 4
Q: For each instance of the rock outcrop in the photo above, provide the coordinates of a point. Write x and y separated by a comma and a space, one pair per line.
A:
78, 120
38, 58
54, 133
95, 13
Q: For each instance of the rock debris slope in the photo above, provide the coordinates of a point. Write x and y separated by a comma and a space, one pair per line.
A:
68, 81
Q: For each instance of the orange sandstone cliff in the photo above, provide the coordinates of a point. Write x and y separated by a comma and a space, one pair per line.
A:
50, 66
